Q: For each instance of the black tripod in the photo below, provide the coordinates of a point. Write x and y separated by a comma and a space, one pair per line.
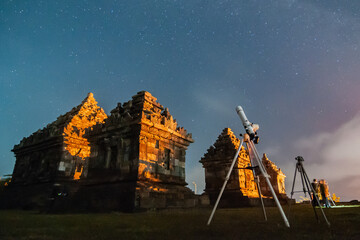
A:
307, 187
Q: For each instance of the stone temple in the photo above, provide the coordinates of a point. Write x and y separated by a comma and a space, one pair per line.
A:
241, 189
85, 160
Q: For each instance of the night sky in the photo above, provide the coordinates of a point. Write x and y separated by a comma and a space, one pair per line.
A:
293, 66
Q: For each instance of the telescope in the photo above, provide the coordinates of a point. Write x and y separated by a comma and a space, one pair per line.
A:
250, 128
250, 138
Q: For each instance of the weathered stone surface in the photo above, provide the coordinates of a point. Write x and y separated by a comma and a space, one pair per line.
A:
241, 189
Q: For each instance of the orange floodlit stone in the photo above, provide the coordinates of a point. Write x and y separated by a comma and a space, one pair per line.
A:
89, 115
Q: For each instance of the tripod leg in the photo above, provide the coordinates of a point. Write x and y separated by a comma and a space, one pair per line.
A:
331, 200
257, 181
226, 180
292, 190
317, 199
308, 184
257, 157
303, 180
263, 171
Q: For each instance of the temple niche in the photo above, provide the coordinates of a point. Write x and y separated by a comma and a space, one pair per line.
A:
241, 189
86, 160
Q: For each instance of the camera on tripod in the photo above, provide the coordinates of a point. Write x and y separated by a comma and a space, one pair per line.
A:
307, 187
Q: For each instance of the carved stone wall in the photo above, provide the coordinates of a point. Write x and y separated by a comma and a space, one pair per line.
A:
241, 188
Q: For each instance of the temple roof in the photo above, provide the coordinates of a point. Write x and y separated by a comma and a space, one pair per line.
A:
225, 145
87, 109
142, 108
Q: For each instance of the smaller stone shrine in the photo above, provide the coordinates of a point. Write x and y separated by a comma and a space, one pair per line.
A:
241, 189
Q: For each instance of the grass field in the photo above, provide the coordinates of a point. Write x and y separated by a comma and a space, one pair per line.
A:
243, 223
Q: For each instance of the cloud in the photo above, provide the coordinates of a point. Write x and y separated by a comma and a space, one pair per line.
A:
214, 103
273, 150
348, 188
335, 156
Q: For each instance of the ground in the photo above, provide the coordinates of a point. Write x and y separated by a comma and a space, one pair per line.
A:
242, 223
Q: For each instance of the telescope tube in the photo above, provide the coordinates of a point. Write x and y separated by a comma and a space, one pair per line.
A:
246, 123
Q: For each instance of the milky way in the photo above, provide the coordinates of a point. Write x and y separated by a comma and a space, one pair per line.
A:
292, 65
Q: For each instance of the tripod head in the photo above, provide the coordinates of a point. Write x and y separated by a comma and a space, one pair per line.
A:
250, 128
299, 164
299, 159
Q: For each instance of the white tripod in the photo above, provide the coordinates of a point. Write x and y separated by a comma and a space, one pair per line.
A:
250, 137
